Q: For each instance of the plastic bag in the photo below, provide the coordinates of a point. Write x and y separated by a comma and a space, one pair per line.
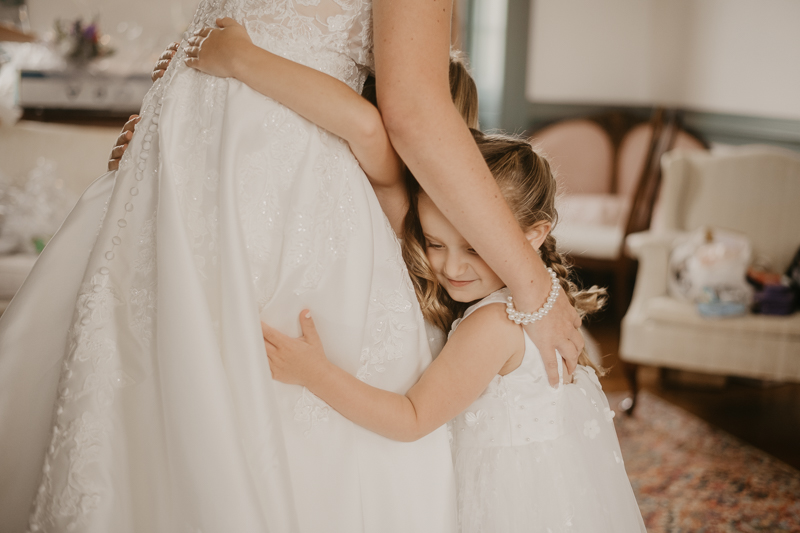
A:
709, 268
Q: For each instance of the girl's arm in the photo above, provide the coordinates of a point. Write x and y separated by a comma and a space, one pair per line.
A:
121, 145
412, 43
126, 134
475, 353
322, 99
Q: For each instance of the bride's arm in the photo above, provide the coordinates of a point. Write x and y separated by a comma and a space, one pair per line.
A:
412, 43
472, 357
318, 97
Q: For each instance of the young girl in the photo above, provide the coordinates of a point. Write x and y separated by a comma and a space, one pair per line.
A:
528, 457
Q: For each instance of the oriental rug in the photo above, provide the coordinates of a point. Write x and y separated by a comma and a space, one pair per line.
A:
691, 477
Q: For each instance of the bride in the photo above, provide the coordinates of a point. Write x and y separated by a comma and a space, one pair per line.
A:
134, 390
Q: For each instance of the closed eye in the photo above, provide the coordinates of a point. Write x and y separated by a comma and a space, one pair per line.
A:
435, 246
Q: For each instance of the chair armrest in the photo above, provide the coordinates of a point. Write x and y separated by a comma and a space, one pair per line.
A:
649, 242
652, 249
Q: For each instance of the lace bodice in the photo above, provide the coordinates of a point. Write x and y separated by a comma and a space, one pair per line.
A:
516, 409
332, 36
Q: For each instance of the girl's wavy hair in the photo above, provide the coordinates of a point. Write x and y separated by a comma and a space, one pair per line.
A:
529, 187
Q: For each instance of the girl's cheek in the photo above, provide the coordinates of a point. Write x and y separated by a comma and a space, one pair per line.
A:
434, 259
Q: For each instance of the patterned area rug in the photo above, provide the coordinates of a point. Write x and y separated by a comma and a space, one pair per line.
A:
691, 477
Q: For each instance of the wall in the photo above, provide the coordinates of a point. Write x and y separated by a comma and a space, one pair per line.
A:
518, 114
725, 56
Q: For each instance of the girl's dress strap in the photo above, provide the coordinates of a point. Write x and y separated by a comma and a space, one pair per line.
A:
498, 296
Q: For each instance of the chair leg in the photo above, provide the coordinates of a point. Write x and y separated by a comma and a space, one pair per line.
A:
631, 372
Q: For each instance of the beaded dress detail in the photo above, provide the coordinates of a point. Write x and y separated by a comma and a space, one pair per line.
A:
533, 458
135, 394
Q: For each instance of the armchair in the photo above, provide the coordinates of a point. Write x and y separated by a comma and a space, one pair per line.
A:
753, 190
608, 171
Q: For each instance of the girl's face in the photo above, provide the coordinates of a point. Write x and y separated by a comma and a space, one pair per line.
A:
463, 274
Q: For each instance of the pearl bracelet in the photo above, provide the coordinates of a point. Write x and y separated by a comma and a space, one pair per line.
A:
519, 317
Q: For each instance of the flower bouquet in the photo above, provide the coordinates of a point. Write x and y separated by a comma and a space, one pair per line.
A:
80, 43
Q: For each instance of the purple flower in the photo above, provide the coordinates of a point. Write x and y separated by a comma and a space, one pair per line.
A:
90, 33
84, 40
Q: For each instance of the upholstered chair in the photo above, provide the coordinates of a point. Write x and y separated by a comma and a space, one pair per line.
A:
608, 176
753, 190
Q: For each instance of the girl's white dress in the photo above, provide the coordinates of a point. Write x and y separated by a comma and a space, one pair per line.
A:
135, 394
533, 458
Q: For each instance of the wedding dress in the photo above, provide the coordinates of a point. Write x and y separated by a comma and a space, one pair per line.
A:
135, 394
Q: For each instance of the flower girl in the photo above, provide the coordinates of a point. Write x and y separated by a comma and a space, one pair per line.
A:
528, 457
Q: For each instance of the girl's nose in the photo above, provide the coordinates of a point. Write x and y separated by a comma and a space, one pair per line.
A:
454, 265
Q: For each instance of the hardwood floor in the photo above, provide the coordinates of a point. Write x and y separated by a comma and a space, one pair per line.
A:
765, 415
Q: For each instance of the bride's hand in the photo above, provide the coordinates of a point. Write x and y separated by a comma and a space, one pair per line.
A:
213, 50
295, 361
558, 330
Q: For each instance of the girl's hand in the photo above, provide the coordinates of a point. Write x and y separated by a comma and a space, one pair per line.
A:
124, 138
164, 61
295, 361
213, 50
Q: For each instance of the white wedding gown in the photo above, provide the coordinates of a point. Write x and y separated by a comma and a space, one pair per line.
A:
135, 394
